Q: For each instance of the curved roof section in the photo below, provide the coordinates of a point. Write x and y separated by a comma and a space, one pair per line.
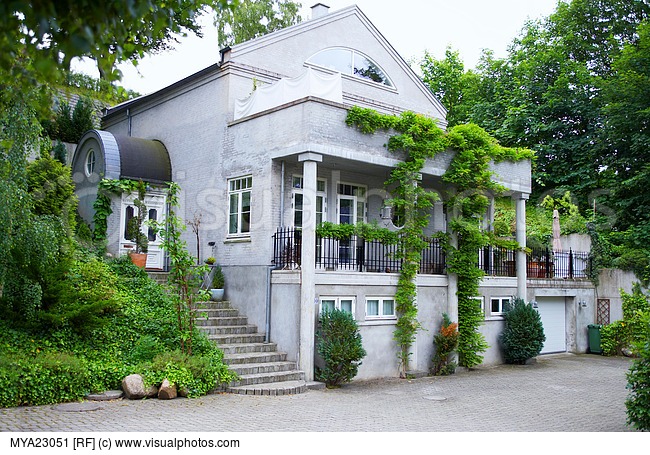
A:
131, 157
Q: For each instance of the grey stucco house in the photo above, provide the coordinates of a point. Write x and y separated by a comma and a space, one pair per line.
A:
258, 144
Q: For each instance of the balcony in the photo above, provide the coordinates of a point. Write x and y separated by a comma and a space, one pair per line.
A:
548, 264
353, 254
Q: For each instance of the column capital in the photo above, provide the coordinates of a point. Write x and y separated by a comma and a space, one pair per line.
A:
310, 156
520, 195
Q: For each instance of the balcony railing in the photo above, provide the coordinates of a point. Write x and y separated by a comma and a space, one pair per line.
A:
545, 263
352, 254
496, 261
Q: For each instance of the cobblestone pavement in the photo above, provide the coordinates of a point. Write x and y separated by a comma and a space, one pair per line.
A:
560, 393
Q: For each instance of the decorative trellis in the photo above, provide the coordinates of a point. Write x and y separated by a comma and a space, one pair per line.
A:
602, 312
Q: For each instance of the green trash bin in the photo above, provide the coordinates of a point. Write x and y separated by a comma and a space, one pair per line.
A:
593, 332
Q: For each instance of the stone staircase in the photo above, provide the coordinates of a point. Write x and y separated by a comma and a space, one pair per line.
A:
261, 368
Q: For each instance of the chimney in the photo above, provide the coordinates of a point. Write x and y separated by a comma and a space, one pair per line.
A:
319, 10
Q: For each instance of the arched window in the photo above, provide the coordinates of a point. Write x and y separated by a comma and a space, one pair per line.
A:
90, 163
351, 62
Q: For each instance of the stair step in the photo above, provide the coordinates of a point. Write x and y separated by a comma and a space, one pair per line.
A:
254, 357
237, 338
240, 348
271, 388
257, 368
203, 313
227, 321
228, 329
264, 378
223, 305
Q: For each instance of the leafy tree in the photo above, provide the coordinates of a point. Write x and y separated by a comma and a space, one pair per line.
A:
113, 31
253, 18
448, 81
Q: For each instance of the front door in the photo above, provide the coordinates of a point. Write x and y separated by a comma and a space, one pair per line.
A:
156, 203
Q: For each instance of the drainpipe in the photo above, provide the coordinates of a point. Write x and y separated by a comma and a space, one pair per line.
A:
282, 196
267, 330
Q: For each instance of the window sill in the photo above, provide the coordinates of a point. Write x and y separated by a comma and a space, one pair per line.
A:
240, 239
376, 322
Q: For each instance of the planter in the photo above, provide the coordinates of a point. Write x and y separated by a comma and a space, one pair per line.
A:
216, 295
139, 259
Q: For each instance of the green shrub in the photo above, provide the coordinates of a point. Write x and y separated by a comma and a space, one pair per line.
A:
446, 342
198, 374
638, 381
47, 378
339, 344
619, 336
523, 335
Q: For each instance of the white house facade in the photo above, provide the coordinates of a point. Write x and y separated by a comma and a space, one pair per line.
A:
259, 145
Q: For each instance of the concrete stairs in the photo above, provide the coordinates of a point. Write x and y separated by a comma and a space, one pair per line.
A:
261, 368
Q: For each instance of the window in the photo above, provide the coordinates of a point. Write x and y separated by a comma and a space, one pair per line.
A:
498, 304
338, 303
297, 197
239, 195
380, 308
90, 163
351, 203
352, 63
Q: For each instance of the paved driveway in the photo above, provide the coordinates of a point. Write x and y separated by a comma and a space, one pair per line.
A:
560, 393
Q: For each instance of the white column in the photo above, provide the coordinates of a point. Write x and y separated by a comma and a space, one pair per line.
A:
520, 205
308, 302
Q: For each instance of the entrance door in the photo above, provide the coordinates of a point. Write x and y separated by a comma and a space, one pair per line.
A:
156, 203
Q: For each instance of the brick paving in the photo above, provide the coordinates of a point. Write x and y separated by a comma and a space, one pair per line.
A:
560, 393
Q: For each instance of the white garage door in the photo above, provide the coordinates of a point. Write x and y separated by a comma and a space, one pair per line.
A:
551, 310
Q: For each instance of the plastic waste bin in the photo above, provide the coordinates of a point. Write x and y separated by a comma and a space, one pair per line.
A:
593, 333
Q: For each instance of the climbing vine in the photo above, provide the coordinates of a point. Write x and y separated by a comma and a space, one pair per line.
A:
102, 205
419, 138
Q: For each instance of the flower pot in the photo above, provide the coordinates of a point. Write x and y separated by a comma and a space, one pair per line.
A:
216, 295
139, 259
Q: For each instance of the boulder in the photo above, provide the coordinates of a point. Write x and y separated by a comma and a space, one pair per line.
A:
183, 392
134, 388
167, 391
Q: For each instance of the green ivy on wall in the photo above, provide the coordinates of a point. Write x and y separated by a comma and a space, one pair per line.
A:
418, 138
102, 205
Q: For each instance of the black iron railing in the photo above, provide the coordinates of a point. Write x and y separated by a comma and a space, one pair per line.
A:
546, 263
496, 261
352, 254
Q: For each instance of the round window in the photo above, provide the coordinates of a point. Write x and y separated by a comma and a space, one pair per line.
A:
90, 163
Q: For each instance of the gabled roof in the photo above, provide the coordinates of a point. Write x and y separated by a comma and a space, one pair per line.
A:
294, 30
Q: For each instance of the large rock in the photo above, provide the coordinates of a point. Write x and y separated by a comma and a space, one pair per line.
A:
167, 391
134, 388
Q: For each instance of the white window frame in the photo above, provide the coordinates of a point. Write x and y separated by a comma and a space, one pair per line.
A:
90, 163
381, 300
239, 186
501, 303
297, 184
337, 302
356, 198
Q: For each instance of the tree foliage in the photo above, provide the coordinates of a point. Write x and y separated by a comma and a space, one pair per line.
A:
51, 34
253, 18
523, 335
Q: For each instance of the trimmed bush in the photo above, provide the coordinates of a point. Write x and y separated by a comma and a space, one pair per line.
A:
339, 344
523, 336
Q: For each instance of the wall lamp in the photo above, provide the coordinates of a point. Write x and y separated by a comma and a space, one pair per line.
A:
582, 304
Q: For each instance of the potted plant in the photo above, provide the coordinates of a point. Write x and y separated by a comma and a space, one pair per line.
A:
218, 284
134, 230
210, 261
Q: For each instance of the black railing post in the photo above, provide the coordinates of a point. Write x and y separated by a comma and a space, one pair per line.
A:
570, 263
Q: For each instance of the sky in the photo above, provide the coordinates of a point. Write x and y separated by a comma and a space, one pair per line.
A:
411, 26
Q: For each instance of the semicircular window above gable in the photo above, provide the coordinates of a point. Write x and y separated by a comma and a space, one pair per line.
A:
351, 62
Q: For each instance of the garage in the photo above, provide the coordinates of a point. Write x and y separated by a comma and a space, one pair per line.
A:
551, 310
